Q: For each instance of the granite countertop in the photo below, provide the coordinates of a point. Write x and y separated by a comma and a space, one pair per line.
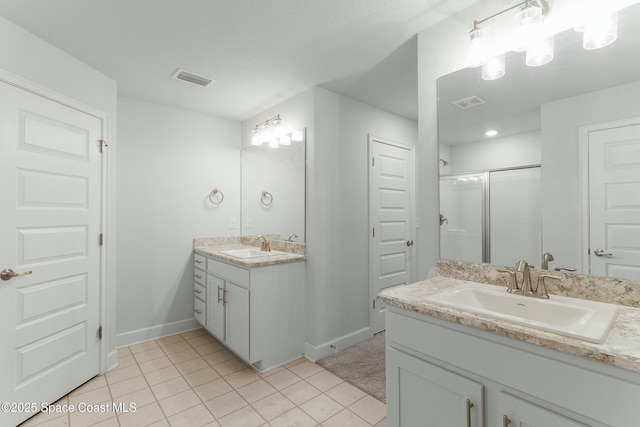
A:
215, 252
621, 347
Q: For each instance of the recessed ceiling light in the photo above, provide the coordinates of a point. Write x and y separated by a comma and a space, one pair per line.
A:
491, 132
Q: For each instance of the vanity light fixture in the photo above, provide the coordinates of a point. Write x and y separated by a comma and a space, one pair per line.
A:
595, 18
491, 132
274, 133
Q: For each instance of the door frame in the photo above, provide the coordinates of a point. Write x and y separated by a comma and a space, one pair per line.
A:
373, 139
36, 89
583, 173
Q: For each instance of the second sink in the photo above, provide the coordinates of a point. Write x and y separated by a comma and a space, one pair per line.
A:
246, 253
577, 318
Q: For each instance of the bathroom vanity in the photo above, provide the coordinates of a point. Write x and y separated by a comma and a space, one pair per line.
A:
251, 302
451, 367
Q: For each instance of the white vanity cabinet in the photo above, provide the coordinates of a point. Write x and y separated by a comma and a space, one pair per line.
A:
437, 368
257, 312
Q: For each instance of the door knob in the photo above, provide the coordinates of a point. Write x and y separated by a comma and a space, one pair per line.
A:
8, 274
600, 252
409, 242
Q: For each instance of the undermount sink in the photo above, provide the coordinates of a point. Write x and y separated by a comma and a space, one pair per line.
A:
577, 318
247, 253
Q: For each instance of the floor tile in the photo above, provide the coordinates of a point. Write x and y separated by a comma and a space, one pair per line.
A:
194, 417
226, 404
273, 406
324, 380
241, 378
143, 346
306, 368
345, 394
295, 417
321, 407
256, 391
345, 418
191, 365
212, 389
128, 386
123, 374
169, 388
283, 379
155, 364
162, 375
244, 417
370, 409
301, 392
202, 376
145, 356
179, 402
142, 416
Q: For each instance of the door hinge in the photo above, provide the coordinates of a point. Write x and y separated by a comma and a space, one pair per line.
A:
100, 332
373, 234
374, 303
103, 145
100, 239
373, 161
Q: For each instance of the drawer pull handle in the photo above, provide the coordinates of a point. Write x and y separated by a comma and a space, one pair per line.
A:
224, 297
197, 311
197, 261
505, 421
197, 291
198, 276
219, 297
469, 406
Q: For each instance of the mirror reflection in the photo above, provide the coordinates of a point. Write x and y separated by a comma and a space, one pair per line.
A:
273, 191
562, 173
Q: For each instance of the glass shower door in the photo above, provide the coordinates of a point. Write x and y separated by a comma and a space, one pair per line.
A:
462, 210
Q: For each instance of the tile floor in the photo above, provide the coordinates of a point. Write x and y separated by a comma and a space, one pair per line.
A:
190, 380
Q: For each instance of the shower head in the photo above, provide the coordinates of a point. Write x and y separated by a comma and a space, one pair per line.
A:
444, 162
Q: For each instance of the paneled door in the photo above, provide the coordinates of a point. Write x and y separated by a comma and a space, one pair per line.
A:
391, 183
50, 177
614, 200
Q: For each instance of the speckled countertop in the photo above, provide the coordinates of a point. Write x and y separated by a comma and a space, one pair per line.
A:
621, 347
213, 247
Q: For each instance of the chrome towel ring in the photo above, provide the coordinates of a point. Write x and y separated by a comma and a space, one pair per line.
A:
266, 198
214, 193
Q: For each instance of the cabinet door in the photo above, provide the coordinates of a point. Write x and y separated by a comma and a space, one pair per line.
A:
237, 319
215, 306
423, 394
521, 413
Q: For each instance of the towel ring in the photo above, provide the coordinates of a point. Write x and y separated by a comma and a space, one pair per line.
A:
266, 198
213, 193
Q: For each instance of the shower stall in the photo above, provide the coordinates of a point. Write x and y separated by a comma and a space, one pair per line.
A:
491, 216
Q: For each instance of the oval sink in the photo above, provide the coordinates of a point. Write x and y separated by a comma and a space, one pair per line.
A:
577, 318
246, 253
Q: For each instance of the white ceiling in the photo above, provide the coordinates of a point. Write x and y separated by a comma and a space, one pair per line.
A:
259, 52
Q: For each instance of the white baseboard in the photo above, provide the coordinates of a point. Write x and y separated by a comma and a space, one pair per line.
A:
112, 360
155, 332
315, 353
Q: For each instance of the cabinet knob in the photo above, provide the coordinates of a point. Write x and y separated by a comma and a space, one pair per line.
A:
197, 311
197, 291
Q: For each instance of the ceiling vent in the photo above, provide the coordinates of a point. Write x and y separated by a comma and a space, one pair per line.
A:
470, 102
193, 78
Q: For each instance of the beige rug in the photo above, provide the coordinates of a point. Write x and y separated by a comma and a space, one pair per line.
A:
362, 365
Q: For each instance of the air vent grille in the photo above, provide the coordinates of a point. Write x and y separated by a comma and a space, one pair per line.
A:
470, 102
193, 78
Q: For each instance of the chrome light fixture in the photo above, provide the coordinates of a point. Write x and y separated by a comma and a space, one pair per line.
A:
274, 133
595, 18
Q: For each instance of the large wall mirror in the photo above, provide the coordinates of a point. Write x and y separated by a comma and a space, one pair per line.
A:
562, 175
273, 191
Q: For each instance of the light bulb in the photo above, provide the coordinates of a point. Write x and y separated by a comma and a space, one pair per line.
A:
494, 68
540, 52
478, 49
297, 135
600, 31
255, 137
526, 29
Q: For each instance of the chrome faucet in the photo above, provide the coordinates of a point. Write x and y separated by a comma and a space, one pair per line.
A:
545, 260
292, 236
264, 246
523, 267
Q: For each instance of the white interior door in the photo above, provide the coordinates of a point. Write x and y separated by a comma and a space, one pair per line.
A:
50, 177
614, 201
391, 219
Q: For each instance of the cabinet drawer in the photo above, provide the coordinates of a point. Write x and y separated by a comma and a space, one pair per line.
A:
199, 261
229, 272
200, 311
199, 276
200, 291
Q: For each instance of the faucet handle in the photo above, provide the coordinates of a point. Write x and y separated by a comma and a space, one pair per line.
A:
541, 289
564, 269
513, 285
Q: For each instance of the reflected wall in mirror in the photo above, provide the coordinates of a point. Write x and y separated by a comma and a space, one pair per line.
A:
578, 117
279, 173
